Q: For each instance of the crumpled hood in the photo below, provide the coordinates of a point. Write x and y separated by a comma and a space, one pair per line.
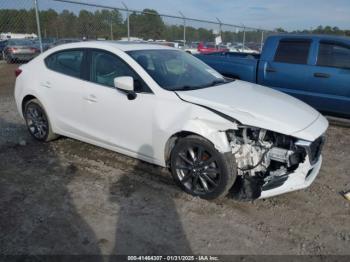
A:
255, 105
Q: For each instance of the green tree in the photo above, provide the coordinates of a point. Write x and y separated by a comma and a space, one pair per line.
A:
147, 25
48, 22
85, 25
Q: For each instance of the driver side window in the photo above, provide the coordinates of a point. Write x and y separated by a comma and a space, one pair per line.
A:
105, 67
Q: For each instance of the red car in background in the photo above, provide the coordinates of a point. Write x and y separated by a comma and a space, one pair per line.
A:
206, 48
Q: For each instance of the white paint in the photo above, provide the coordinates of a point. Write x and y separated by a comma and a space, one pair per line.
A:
141, 127
124, 82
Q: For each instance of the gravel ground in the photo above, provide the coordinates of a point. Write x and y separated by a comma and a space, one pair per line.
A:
68, 197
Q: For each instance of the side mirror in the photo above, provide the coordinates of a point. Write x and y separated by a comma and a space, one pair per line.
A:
126, 85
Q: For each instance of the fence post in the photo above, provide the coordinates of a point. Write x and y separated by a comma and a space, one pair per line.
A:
243, 43
184, 32
128, 19
111, 27
220, 28
262, 40
184, 18
36, 6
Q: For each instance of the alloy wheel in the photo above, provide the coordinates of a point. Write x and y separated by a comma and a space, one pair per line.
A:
198, 170
37, 121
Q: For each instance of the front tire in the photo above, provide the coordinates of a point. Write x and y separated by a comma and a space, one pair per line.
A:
37, 121
200, 170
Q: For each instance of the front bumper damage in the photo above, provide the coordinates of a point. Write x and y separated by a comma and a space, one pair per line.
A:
271, 164
301, 178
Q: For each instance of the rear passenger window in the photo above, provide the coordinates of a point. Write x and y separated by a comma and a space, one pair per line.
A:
293, 52
66, 62
333, 55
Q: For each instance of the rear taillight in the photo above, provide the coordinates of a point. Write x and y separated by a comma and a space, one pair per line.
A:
18, 72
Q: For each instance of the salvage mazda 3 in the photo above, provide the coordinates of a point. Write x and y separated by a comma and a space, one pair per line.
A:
166, 107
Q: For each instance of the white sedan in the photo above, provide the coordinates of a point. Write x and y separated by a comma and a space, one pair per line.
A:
166, 107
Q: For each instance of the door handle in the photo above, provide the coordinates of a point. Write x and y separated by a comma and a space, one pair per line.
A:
91, 98
46, 84
322, 75
271, 70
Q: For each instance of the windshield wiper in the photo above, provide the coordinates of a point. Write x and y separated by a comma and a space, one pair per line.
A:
185, 88
216, 82
188, 87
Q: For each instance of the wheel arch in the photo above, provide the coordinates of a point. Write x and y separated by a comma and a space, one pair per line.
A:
171, 142
25, 100
30, 96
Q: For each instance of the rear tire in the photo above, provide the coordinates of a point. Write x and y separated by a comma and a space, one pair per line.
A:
37, 121
200, 170
8, 59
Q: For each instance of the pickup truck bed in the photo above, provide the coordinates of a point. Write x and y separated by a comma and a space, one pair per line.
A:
234, 65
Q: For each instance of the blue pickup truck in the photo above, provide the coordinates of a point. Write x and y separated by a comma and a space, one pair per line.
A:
313, 68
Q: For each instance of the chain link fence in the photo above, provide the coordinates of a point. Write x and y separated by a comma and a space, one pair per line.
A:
51, 22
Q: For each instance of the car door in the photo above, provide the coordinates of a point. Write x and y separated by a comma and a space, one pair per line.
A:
289, 69
331, 77
113, 119
62, 85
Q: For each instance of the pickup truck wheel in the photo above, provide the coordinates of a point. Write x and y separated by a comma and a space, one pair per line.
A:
38, 123
200, 170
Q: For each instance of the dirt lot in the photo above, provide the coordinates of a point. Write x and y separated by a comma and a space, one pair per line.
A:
67, 197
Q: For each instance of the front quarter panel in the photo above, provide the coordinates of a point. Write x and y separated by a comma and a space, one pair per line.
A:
174, 116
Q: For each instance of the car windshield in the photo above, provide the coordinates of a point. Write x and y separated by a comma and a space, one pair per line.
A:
177, 70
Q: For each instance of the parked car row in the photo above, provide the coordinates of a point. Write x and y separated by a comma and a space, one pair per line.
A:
24, 50
166, 107
240, 48
208, 48
23, 54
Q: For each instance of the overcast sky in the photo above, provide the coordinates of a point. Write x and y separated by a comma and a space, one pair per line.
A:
269, 14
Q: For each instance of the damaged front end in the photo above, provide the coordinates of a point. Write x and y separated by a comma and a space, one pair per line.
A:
270, 163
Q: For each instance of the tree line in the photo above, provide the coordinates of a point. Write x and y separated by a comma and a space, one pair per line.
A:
110, 24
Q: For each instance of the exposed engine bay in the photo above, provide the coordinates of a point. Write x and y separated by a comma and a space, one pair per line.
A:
264, 160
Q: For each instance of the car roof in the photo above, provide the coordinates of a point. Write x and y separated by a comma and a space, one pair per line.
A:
313, 36
121, 45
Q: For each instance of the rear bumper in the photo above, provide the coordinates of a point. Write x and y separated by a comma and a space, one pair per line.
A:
301, 178
22, 57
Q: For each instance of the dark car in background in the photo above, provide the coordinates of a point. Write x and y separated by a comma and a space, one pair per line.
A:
17, 50
46, 42
3, 43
